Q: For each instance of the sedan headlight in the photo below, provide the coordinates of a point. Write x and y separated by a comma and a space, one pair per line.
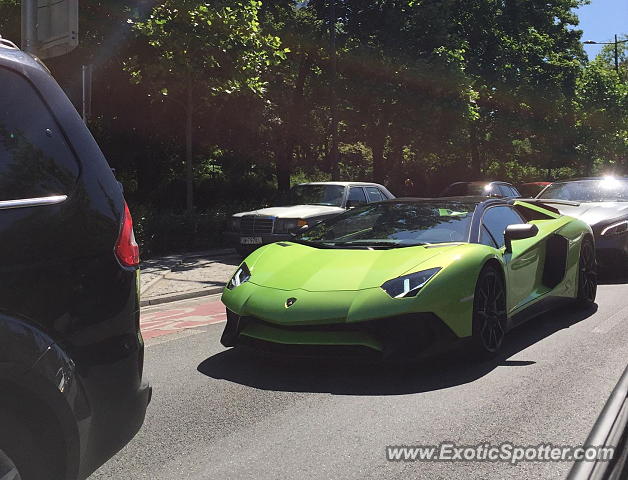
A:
409, 285
287, 225
234, 224
242, 275
615, 228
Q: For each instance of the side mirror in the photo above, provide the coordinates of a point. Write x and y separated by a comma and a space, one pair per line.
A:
519, 232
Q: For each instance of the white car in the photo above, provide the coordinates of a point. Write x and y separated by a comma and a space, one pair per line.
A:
308, 203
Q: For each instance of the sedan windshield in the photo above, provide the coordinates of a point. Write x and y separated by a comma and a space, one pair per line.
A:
594, 190
331, 195
394, 225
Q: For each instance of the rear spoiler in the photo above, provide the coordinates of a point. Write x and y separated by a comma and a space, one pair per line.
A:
544, 203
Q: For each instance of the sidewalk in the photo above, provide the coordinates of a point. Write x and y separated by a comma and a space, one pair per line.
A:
178, 277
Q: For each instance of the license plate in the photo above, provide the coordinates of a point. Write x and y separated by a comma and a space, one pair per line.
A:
251, 240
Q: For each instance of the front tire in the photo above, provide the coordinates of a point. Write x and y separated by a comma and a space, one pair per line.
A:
8, 469
489, 313
587, 274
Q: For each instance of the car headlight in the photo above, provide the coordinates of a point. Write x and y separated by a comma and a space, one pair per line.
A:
242, 275
287, 225
615, 228
234, 224
409, 285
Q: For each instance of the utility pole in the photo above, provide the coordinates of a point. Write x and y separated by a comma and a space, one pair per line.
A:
615, 43
333, 151
29, 26
616, 56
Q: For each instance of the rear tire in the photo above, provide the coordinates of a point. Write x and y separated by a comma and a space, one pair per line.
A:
489, 313
20, 453
587, 274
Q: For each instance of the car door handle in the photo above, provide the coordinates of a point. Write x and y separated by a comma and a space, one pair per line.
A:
32, 202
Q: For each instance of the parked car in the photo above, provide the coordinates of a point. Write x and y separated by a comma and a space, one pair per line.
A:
71, 351
601, 202
308, 203
484, 189
406, 278
532, 189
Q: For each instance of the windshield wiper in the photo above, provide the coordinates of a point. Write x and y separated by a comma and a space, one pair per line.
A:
377, 243
313, 244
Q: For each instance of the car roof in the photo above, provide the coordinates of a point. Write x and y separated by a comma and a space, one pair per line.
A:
343, 184
578, 179
479, 182
10, 55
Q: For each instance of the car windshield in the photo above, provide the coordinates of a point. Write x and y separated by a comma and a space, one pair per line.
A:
467, 189
594, 190
394, 224
331, 195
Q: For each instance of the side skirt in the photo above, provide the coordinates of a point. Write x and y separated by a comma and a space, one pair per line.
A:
539, 308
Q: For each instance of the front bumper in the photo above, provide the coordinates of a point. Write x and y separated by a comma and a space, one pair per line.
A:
405, 336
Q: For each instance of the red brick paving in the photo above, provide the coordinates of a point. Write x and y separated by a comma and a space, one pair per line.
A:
176, 319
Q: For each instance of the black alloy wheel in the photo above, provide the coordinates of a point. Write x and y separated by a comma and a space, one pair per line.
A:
489, 313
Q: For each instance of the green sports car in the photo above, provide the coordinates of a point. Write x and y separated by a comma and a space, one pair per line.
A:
409, 277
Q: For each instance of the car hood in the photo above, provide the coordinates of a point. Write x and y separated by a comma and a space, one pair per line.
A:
291, 266
294, 211
593, 213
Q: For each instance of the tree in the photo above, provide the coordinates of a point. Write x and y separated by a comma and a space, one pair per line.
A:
602, 116
201, 52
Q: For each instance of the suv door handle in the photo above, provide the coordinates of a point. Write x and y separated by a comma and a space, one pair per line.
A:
32, 202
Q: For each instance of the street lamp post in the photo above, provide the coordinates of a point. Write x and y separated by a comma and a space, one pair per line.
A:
616, 43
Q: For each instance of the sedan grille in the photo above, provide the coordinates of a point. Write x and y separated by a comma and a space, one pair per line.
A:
254, 225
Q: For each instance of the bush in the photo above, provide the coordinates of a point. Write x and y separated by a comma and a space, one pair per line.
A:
164, 232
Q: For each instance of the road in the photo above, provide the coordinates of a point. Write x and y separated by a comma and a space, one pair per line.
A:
223, 414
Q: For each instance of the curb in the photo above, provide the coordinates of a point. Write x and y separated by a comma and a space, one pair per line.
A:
180, 296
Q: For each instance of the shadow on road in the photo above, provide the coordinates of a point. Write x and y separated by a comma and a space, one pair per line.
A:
342, 378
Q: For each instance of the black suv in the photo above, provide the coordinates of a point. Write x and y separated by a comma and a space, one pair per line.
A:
71, 351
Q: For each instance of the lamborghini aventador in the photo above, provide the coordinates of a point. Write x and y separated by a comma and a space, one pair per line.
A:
407, 278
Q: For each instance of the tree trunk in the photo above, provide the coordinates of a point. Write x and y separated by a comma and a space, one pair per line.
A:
476, 162
189, 167
394, 165
293, 118
377, 144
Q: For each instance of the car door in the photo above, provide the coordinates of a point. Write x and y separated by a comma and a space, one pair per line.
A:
38, 174
522, 264
374, 194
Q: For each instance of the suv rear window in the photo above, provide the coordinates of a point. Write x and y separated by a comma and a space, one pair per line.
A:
35, 159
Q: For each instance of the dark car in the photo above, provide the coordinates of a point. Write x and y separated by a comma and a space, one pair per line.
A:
532, 189
483, 189
71, 351
608, 440
602, 202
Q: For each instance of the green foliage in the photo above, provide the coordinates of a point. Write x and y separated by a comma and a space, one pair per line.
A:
218, 45
602, 118
427, 92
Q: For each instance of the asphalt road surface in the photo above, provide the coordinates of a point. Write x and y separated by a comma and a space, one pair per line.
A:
223, 414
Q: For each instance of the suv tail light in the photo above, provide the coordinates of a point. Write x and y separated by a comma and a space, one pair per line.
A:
127, 250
